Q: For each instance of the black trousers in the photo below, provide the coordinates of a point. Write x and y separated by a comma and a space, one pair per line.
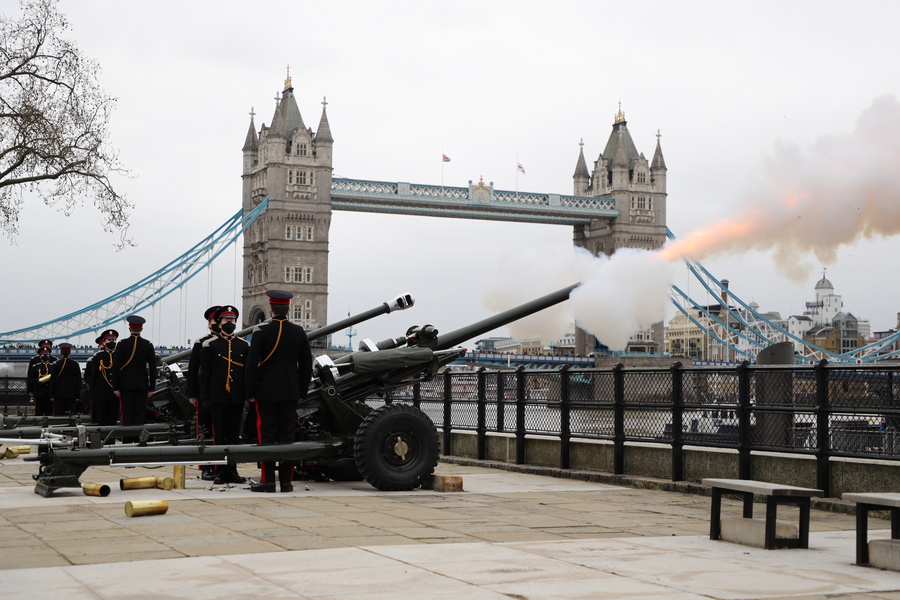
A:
43, 407
63, 406
133, 403
105, 411
276, 423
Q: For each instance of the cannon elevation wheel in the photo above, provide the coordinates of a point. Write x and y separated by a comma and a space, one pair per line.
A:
395, 447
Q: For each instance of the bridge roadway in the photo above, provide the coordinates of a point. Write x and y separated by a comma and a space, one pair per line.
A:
477, 201
508, 535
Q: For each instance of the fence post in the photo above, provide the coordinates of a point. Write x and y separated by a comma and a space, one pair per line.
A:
480, 426
501, 397
448, 399
520, 415
565, 432
619, 419
823, 439
744, 429
677, 423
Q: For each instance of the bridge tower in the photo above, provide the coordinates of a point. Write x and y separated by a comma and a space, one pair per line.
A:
287, 246
639, 189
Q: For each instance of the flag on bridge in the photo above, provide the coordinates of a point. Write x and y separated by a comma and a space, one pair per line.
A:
520, 167
446, 158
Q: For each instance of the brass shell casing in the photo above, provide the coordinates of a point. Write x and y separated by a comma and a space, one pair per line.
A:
10, 453
178, 476
146, 507
21, 449
137, 483
95, 489
165, 483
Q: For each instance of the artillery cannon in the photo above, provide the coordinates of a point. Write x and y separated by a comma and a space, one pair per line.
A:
393, 446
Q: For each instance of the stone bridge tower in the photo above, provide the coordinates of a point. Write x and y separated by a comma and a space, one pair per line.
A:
287, 246
639, 189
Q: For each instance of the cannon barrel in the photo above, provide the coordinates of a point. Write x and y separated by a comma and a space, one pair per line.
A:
454, 338
401, 302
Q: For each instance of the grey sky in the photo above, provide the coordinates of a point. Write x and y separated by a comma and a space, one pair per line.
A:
485, 83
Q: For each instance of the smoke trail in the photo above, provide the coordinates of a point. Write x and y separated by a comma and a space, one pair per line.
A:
840, 190
618, 297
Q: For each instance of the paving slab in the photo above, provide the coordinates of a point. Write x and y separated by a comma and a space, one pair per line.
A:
507, 535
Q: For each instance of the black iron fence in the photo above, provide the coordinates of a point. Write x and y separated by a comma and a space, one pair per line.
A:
13, 393
822, 410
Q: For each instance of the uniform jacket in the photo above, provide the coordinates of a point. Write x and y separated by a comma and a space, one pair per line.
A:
279, 368
66, 378
193, 374
35, 372
134, 365
99, 375
222, 367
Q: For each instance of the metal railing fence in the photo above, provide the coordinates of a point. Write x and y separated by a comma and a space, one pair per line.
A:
820, 410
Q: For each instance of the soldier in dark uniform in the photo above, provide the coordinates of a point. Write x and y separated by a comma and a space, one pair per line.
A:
134, 373
203, 412
38, 383
279, 369
65, 382
104, 403
37, 357
223, 386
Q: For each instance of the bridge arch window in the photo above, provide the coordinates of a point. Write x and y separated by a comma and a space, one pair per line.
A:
298, 274
301, 177
288, 232
290, 177
641, 177
301, 149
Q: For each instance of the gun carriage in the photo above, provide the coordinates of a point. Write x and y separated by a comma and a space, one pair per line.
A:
393, 446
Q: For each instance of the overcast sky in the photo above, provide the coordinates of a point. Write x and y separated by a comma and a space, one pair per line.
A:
487, 84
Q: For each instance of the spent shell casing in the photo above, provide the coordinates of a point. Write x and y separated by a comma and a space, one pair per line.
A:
137, 483
146, 507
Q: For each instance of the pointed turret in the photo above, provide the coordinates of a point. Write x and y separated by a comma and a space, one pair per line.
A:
582, 177
658, 161
323, 133
277, 127
251, 142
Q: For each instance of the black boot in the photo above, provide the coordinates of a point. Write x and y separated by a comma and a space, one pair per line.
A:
233, 476
262, 487
208, 473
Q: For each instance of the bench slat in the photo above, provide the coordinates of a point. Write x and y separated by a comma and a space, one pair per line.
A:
887, 499
763, 487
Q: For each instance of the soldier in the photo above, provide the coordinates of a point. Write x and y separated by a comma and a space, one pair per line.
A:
65, 382
37, 357
279, 369
38, 383
202, 412
104, 403
222, 386
134, 373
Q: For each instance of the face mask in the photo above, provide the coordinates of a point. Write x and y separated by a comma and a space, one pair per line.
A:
45, 358
110, 345
229, 327
215, 328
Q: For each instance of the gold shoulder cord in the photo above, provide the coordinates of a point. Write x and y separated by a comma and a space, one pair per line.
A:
105, 368
230, 363
277, 339
133, 348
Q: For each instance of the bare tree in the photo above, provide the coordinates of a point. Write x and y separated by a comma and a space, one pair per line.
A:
53, 122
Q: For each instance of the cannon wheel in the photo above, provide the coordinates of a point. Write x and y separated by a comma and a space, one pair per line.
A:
395, 447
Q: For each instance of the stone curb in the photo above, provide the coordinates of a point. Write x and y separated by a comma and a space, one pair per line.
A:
834, 505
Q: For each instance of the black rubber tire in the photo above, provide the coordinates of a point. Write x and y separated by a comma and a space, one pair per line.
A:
396, 446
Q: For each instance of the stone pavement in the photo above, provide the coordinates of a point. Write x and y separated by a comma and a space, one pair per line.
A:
509, 535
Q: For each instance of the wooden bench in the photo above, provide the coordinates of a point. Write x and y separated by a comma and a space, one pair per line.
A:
866, 503
775, 494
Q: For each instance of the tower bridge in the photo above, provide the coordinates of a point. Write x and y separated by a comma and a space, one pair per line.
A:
619, 203
289, 194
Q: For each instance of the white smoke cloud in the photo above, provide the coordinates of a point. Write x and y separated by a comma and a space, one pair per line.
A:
838, 191
619, 295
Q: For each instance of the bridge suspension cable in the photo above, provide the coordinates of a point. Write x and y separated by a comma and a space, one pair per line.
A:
145, 293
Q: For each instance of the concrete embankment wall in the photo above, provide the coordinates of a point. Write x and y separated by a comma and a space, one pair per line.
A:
655, 460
